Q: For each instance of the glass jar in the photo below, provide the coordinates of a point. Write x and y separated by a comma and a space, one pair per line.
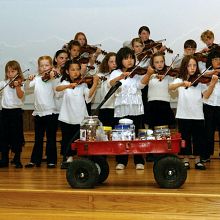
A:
162, 132
88, 128
142, 134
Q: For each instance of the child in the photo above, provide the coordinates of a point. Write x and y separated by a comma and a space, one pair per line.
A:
106, 113
159, 110
44, 115
59, 61
208, 39
128, 100
189, 49
73, 108
12, 119
74, 49
138, 46
211, 107
189, 110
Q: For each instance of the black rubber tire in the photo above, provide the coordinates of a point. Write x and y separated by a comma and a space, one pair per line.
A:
82, 173
170, 172
102, 166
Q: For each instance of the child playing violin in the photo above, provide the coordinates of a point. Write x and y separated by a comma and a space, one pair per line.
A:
208, 39
12, 119
73, 108
138, 46
190, 110
189, 49
128, 98
45, 118
159, 109
211, 107
106, 113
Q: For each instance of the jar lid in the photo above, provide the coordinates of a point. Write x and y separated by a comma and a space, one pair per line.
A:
142, 130
160, 127
126, 121
107, 128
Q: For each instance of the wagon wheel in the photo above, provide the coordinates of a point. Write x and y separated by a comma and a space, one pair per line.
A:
103, 167
170, 172
82, 173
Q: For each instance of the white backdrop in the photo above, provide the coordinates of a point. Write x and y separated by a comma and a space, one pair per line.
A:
32, 28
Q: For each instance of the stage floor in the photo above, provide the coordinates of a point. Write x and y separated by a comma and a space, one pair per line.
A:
42, 193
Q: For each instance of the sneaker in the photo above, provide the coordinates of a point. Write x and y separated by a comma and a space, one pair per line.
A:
187, 165
206, 160
139, 166
200, 166
120, 166
51, 165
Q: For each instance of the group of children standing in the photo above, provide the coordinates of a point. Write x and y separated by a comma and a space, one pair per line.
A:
61, 95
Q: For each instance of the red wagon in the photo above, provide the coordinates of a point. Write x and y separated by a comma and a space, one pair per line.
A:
91, 167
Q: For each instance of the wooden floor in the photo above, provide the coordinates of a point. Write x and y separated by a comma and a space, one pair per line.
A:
42, 193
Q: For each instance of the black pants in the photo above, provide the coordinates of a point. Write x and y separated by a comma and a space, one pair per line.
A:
123, 159
106, 116
193, 132
12, 136
212, 122
44, 124
69, 134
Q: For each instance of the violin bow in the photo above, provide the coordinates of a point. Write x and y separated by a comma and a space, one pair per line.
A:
168, 69
203, 73
12, 80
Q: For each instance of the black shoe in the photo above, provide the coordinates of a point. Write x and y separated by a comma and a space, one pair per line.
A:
187, 165
64, 165
200, 166
51, 165
18, 165
31, 165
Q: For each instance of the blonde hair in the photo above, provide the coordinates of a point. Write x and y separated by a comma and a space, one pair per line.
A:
45, 58
207, 35
137, 39
13, 64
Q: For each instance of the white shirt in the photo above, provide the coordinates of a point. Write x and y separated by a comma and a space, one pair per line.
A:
10, 99
158, 90
57, 97
189, 104
44, 103
214, 98
128, 97
73, 108
101, 91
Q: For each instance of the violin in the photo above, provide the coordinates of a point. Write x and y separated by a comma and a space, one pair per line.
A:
90, 49
157, 45
201, 56
47, 76
168, 71
136, 70
87, 79
19, 81
204, 79
145, 53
